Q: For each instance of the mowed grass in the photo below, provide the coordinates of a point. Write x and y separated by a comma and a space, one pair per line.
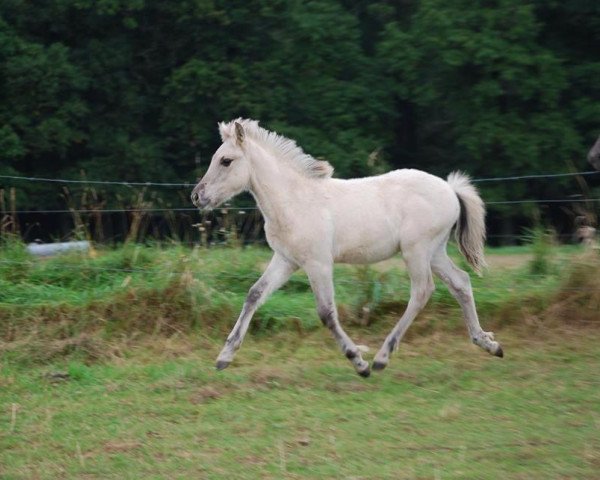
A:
291, 407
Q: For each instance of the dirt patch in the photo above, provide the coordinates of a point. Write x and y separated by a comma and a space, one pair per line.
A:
348, 386
206, 394
115, 447
36, 348
508, 261
271, 377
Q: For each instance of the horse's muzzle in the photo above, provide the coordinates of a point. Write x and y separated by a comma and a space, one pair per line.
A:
199, 199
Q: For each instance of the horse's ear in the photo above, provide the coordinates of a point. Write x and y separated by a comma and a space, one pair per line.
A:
224, 131
239, 133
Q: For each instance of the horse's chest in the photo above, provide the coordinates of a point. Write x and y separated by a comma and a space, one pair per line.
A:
274, 237
293, 242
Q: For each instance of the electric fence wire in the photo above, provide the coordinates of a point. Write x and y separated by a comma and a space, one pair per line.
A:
251, 208
191, 184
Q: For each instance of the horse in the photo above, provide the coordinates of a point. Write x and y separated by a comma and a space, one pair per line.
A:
313, 220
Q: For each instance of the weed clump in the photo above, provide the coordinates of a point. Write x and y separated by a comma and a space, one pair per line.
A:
542, 246
15, 261
578, 298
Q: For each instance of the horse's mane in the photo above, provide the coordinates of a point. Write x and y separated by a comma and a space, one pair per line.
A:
286, 149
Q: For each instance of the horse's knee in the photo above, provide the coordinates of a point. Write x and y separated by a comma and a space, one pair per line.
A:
465, 294
462, 287
326, 314
430, 289
254, 295
423, 294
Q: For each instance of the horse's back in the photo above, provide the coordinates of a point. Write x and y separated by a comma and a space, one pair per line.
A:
403, 192
374, 217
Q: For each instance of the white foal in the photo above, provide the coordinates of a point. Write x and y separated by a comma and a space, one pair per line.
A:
313, 220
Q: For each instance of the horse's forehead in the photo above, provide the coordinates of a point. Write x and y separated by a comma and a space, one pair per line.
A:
226, 147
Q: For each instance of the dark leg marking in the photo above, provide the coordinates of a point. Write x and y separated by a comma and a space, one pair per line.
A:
390, 347
252, 298
234, 338
378, 366
221, 364
350, 355
254, 295
326, 316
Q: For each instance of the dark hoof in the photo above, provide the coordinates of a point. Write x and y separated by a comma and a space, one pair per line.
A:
221, 365
365, 373
499, 352
379, 365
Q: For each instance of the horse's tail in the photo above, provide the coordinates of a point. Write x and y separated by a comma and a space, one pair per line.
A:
470, 228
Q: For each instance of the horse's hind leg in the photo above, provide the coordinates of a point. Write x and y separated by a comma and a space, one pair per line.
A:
459, 284
321, 281
421, 287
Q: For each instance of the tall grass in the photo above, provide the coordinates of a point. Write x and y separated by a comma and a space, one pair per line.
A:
111, 294
542, 242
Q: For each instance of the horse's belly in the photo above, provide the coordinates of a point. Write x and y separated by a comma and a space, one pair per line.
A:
366, 253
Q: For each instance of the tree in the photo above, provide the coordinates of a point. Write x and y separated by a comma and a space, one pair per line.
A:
484, 95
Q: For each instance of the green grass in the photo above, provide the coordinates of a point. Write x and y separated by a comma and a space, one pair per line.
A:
177, 289
135, 331
291, 407
86, 303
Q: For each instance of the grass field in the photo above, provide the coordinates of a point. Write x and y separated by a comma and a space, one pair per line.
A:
291, 407
107, 372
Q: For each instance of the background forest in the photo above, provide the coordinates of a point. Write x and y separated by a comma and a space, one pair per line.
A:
132, 89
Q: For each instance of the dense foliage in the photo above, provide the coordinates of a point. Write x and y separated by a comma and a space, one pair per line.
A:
132, 89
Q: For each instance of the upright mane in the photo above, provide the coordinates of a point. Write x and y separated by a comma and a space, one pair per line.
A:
284, 148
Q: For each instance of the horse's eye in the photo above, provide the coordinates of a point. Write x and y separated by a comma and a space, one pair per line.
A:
226, 161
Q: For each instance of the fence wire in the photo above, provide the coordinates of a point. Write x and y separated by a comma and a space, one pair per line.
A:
191, 184
98, 182
570, 199
241, 210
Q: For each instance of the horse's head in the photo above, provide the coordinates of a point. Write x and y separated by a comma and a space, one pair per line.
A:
229, 171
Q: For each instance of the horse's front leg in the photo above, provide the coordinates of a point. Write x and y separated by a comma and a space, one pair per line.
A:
321, 281
276, 274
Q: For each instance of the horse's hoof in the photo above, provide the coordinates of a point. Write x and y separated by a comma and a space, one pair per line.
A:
222, 364
499, 352
365, 373
379, 365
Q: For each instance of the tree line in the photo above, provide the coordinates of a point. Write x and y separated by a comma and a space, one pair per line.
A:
133, 89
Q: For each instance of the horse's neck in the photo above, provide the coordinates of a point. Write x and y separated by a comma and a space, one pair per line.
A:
274, 185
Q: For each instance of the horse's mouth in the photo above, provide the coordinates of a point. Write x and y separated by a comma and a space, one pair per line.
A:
201, 201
